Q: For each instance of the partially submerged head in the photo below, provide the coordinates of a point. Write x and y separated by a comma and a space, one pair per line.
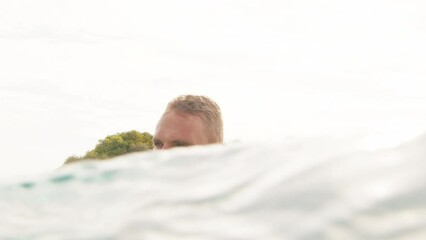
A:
189, 120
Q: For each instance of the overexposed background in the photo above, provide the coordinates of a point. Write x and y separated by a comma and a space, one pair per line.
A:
73, 72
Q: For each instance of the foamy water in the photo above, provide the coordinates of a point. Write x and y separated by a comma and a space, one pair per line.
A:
312, 189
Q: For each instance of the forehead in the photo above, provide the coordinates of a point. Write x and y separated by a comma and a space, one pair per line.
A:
175, 126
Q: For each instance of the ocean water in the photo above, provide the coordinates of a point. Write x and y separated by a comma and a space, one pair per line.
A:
305, 190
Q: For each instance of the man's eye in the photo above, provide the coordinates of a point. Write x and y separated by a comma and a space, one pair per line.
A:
180, 144
158, 144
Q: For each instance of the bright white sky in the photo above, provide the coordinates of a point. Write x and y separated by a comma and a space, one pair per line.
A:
73, 72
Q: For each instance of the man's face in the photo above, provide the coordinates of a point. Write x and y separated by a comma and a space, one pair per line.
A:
179, 129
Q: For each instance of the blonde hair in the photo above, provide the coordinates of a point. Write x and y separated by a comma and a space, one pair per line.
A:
204, 107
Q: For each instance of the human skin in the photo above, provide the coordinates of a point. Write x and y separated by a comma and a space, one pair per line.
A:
176, 129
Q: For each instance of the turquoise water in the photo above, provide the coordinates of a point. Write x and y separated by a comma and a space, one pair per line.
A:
311, 189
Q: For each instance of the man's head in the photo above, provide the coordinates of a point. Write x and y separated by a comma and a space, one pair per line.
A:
189, 120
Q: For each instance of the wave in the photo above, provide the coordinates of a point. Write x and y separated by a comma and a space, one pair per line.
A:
311, 189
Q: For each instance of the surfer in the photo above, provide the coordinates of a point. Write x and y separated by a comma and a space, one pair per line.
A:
189, 120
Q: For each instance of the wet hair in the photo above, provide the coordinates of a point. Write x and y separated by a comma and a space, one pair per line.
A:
203, 107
